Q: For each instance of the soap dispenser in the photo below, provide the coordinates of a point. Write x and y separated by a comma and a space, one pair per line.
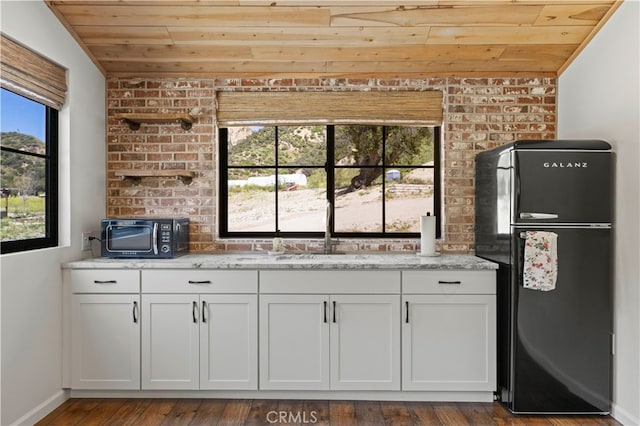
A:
278, 245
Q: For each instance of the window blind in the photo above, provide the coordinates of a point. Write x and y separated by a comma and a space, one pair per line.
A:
28, 74
413, 108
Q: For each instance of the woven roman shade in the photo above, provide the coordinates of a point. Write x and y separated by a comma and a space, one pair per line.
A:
28, 74
415, 108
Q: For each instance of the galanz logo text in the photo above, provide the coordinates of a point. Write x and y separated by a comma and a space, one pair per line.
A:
566, 165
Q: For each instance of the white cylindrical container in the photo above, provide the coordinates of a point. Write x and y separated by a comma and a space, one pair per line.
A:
428, 235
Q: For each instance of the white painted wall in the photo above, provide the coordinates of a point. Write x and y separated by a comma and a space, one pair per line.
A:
30, 294
599, 97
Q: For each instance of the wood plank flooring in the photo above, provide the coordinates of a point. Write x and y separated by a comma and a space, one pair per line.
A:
210, 412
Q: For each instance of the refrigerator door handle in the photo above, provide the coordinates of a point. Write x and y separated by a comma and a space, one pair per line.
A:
527, 215
515, 176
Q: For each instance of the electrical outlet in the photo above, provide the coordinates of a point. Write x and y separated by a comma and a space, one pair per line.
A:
86, 243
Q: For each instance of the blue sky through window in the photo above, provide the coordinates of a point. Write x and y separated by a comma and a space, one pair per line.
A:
19, 114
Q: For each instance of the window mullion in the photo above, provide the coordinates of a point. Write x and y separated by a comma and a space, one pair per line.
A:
384, 170
26, 153
436, 175
277, 211
330, 169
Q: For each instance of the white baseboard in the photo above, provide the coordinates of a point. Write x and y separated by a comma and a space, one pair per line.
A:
623, 416
39, 412
474, 396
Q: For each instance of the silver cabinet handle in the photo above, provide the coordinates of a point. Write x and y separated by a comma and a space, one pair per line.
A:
200, 282
194, 308
105, 282
450, 282
538, 215
135, 312
204, 308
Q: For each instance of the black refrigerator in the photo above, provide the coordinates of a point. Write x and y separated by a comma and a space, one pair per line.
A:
554, 346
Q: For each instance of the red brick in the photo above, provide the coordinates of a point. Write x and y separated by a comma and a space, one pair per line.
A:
481, 113
132, 156
186, 156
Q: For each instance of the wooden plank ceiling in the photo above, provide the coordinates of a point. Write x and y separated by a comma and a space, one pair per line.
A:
333, 38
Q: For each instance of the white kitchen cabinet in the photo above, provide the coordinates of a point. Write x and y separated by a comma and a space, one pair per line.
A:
229, 341
430, 333
294, 341
449, 336
319, 341
170, 341
365, 342
192, 339
105, 330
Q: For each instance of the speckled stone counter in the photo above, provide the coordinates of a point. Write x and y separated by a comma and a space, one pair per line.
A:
293, 261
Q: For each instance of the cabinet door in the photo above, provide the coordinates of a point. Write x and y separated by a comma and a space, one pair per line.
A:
449, 343
170, 341
105, 341
294, 342
365, 342
229, 342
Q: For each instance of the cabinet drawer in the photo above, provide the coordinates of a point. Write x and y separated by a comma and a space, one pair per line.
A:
199, 281
105, 281
330, 282
449, 282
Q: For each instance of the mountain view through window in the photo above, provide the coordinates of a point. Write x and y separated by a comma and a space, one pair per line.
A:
378, 179
27, 170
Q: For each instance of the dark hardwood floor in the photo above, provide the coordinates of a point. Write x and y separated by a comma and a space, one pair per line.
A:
209, 412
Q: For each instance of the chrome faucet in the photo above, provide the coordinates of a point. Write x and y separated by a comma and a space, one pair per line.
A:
328, 241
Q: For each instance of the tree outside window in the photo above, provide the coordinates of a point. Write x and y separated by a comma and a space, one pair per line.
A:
378, 179
28, 174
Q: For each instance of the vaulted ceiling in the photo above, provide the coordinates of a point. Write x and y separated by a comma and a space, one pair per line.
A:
333, 38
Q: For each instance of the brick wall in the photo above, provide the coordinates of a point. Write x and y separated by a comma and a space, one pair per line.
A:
480, 113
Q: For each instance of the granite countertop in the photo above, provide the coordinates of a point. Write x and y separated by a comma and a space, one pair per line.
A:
292, 261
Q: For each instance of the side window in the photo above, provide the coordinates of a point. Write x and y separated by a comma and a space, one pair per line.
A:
28, 174
377, 180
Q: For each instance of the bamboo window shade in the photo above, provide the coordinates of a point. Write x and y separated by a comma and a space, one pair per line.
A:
414, 108
28, 74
